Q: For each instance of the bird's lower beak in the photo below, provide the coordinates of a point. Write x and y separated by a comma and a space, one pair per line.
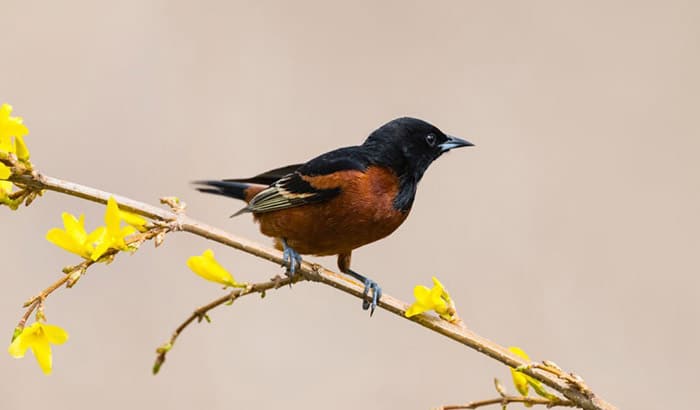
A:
454, 142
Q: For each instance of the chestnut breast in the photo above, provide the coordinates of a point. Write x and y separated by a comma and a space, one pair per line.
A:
361, 213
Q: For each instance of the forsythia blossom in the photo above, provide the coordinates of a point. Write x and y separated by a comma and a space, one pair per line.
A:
39, 337
75, 239
519, 378
522, 381
209, 268
436, 299
12, 133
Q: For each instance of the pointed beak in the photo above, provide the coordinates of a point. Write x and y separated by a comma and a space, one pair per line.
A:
454, 142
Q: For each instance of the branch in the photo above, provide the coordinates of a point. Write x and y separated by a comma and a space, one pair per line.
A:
505, 400
75, 272
201, 312
583, 398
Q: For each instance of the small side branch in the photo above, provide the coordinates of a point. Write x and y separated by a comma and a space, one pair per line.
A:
73, 273
203, 311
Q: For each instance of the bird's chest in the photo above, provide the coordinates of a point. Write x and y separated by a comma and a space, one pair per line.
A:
362, 213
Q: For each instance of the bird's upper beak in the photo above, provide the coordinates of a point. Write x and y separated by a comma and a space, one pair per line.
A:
454, 142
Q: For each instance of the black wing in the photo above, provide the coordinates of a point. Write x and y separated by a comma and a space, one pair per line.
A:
294, 189
290, 187
288, 192
269, 177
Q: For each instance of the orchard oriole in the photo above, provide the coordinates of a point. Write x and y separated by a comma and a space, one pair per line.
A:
343, 199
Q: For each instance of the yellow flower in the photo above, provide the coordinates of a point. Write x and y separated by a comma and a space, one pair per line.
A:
209, 268
436, 299
74, 238
11, 141
39, 337
12, 127
523, 382
520, 379
114, 234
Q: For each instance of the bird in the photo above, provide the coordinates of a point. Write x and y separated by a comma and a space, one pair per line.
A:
343, 199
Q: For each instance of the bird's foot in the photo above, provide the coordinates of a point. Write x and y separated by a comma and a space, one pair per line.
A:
367, 302
292, 259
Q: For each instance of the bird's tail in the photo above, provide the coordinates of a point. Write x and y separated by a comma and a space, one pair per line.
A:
232, 189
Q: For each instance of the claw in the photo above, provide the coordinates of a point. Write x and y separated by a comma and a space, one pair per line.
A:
376, 294
367, 302
292, 259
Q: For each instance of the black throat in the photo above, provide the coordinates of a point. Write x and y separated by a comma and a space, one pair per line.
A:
406, 171
407, 193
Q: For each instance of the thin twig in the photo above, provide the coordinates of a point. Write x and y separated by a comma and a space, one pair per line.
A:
201, 312
31, 307
505, 400
44, 293
456, 332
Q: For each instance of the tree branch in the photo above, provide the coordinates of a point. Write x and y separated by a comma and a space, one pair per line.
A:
582, 397
505, 400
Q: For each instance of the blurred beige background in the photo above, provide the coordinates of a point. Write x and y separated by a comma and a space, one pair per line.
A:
571, 230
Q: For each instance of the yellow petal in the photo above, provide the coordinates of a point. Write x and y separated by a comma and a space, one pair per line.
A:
421, 293
444, 293
520, 379
114, 238
438, 284
126, 231
137, 221
94, 238
416, 309
21, 148
117, 239
5, 186
73, 237
55, 334
64, 240
519, 352
18, 347
6, 144
42, 352
75, 227
520, 382
538, 387
10, 127
101, 246
97, 243
112, 219
437, 303
536, 384
4, 172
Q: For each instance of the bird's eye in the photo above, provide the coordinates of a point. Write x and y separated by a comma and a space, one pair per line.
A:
430, 139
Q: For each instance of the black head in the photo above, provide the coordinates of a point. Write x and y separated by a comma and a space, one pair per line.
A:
409, 146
